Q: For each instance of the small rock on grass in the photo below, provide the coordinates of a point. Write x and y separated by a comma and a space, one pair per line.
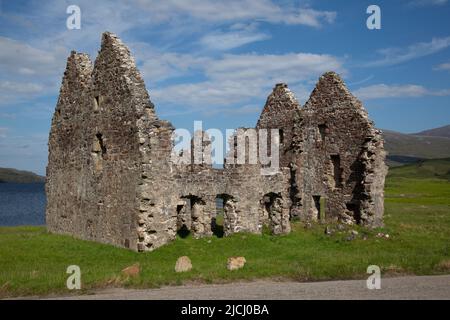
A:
132, 271
183, 264
235, 263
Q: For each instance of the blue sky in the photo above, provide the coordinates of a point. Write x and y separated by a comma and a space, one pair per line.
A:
217, 61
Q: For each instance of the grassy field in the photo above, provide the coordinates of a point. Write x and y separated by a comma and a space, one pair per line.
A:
417, 219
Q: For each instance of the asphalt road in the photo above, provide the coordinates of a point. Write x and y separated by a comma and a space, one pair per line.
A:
423, 287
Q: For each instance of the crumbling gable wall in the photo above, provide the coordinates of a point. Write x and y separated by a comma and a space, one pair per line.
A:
67, 170
278, 113
100, 154
340, 157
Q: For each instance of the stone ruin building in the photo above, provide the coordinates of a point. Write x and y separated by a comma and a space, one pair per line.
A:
110, 177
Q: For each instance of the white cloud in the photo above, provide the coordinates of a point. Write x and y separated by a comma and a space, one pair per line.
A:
8, 87
425, 3
246, 109
231, 40
24, 152
378, 91
17, 57
13, 92
27, 71
207, 95
204, 83
156, 65
235, 10
392, 56
288, 67
237, 79
443, 67
40, 59
3, 132
310, 17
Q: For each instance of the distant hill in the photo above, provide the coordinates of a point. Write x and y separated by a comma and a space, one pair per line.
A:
408, 148
437, 132
19, 176
434, 168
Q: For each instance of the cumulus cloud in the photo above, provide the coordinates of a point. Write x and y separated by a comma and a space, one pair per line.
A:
157, 65
425, 3
231, 40
18, 92
275, 67
235, 10
443, 67
3, 132
35, 64
8, 87
247, 109
27, 72
392, 56
20, 58
239, 78
378, 91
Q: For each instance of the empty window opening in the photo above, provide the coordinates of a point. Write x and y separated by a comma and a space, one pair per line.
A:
319, 204
270, 202
322, 131
336, 170
96, 102
294, 194
353, 208
183, 219
272, 212
223, 203
281, 136
98, 152
102, 144
191, 216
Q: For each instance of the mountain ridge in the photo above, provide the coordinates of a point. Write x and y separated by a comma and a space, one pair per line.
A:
406, 148
10, 175
443, 131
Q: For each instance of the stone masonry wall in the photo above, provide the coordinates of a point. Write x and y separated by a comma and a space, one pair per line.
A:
111, 178
340, 157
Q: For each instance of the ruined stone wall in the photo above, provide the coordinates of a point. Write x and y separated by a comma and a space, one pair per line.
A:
240, 186
333, 138
157, 194
111, 139
111, 178
67, 170
278, 113
258, 198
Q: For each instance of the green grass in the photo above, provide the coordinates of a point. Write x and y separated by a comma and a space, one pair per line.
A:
417, 218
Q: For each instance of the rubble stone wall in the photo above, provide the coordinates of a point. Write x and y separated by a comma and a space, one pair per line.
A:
111, 178
338, 150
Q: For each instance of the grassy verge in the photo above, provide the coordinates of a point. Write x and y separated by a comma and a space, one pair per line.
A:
417, 219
